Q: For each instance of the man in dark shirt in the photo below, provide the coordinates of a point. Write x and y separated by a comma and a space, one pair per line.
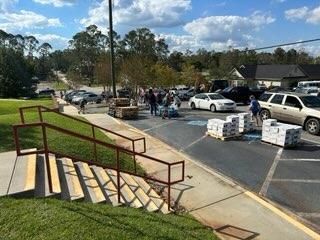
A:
152, 102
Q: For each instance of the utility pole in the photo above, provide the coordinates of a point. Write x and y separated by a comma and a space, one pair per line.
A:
112, 50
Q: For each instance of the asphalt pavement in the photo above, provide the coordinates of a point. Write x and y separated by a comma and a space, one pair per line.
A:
288, 177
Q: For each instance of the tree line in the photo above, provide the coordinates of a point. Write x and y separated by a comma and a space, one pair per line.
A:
23, 62
141, 58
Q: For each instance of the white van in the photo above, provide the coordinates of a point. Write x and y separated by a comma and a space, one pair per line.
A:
309, 84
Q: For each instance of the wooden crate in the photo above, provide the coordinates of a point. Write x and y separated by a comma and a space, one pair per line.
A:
127, 112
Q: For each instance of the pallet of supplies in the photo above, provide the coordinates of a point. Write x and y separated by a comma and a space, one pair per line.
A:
245, 123
223, 130
280, 134
119, 102
127, 112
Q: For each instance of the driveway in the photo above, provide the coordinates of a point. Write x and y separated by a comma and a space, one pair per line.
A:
290, 178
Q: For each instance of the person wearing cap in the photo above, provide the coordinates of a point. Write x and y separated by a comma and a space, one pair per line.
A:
254, 109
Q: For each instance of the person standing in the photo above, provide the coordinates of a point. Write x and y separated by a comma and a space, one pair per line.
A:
152, 102
166, 104
81, 107
254, 109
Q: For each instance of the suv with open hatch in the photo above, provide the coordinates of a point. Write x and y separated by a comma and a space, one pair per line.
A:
295, 108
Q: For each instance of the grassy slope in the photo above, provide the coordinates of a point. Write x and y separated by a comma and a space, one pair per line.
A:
32, 138
55, 219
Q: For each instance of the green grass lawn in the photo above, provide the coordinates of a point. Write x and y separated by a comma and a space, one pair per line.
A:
32, 138
55, 219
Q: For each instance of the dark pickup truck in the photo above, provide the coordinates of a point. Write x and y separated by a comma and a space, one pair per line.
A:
241, 94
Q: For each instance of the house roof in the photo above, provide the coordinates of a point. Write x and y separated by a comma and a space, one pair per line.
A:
313, 71
271, 71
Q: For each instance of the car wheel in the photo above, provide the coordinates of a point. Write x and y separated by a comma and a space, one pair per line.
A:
85, 102
213, 108
313, 126
193, 106
98, 101
265, 114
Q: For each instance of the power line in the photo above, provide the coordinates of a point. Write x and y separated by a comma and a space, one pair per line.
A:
284, 44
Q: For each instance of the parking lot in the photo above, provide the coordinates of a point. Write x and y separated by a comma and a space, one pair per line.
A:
288, 177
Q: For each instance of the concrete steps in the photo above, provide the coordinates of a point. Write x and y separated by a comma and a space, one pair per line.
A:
128, 196
92, 190
42, 177
70, 184
23, 179
28, 176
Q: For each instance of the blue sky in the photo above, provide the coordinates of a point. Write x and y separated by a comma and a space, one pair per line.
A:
185, 24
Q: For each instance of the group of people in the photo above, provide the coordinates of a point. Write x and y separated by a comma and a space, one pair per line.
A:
154, 100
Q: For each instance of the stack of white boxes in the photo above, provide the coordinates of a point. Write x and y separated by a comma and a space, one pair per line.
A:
221, 128
245, 123
234, 119
280, 134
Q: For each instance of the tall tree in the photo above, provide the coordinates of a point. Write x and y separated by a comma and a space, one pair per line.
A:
143, 42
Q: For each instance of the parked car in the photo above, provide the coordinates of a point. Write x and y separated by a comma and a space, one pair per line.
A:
124, 93
68, 97
87, 97
47, 91
185, 95
218, 85
310, 91
295, 108
241, 93
212, 101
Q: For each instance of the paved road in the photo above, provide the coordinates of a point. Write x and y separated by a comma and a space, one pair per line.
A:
287, 177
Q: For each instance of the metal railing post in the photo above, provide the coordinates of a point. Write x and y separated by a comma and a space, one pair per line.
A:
118, 177
21, 115
16, 140
40, 114
46, 153
94, 144
169, 188
144, 145
134, 157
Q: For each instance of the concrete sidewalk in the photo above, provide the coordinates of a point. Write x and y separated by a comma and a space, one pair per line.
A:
216, 201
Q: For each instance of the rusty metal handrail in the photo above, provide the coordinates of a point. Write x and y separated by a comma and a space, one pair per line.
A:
93, 126
46, 150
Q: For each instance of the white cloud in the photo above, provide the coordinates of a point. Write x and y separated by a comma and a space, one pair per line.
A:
138, 13
297, 13
56, 41
6, 4
223, 28
56, 3
304, 13
26, 20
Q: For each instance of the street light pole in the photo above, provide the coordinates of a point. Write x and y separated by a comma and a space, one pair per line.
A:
112, 50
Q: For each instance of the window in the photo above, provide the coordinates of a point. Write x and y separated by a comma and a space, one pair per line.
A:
277, 99
292, 102
311, 101
200, 96
216, 96
265, 97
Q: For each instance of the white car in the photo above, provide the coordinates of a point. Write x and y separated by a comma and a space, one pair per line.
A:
212, 101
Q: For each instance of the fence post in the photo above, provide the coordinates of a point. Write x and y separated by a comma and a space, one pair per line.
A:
118, 177
169, 187
46, 153
94, 144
